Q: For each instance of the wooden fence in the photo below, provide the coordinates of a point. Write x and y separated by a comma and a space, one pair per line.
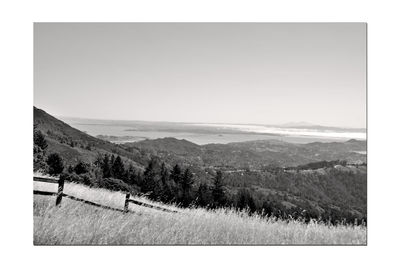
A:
60, 194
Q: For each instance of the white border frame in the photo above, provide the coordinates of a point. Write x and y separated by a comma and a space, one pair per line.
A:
16, 110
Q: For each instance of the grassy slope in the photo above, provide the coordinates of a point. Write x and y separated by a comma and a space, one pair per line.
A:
77, 223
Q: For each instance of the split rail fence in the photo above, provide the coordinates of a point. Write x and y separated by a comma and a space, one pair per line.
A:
60, 194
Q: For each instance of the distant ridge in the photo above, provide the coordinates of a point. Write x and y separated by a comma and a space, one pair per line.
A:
299, 124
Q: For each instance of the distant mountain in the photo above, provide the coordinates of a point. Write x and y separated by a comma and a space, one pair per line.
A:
251, 154
309, 126
75, 145
300, 124
172, 145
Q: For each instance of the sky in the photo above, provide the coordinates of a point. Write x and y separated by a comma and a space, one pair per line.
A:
247, 73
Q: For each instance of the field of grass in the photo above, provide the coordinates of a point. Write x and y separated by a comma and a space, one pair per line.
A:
76, 223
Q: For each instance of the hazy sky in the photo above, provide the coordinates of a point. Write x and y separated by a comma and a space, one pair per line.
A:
266, 73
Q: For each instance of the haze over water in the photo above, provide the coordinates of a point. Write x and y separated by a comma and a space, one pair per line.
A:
203, 133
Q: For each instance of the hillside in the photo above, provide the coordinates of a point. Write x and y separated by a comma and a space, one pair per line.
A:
324, 185
171, 145
75, 145
252, 154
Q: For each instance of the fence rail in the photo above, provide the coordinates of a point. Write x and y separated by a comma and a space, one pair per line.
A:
127, 201
45, 180
44, 193
59, 181
60, 194
95, 204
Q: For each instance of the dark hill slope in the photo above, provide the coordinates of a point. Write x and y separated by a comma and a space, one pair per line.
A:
169, 144
75, 145
172, 151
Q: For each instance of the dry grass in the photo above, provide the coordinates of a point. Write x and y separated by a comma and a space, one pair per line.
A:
81, 224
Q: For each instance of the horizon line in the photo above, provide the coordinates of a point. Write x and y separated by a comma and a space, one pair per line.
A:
224, 123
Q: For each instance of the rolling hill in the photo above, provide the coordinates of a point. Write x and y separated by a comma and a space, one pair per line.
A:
75, 145
251, 154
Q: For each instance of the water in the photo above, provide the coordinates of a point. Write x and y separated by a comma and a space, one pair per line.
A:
132, 131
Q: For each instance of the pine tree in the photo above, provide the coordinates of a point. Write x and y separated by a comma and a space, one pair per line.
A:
38, 138
186, 184
99, 160
267, 208
118, 168
106, 166
218, 190
112, 159
149, 183
164, 174
175, 182
55, 163
130, 175
39, 150
176, 174
203, 195
167, 193
245, 201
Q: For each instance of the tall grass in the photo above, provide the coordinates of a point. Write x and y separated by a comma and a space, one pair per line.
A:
81, 224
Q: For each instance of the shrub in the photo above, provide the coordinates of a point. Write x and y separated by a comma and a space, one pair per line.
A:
39, 139
81, 167
56, 164
116, 185
72, 177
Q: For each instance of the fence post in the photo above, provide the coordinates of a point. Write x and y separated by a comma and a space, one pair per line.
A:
128, 195
60, 190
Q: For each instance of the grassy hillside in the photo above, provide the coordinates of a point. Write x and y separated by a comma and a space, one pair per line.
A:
87, 225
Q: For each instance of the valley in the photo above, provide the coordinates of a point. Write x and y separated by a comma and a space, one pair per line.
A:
325, 180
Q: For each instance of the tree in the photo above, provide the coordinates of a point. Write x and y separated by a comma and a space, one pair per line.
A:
150, 182
186, 184
105, 166
267, 209
70, 169
55, 163
118, 168
81, 168
38, 138
203, 195
112, 159
218, 190
99, 160
39, 150
176, 174
39, 159
168, 185
130, 175
245, 201
164, 174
